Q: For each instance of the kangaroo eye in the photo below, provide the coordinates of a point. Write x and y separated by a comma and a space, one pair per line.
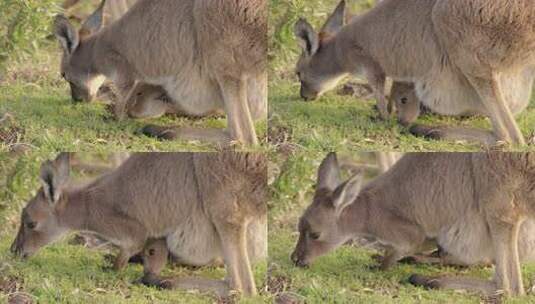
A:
63, 75
30, 225
139, 93
404, 100
152, 252
313, 235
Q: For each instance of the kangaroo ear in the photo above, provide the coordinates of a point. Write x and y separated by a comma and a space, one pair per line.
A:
67, 35
306, 36
114, 10
54, 176
329, 173
94, 22
346, 194
336, 21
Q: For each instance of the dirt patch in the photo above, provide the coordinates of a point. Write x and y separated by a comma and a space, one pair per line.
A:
279, 286
280, 136
11, 135
232, 299
13, 289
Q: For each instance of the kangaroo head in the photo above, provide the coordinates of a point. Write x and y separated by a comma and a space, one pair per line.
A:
76, 64
403, 95
39, 223
155, 256
147, 100
319, 232
316, 68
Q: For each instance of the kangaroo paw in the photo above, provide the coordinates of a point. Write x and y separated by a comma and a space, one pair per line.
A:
153, 280
215, 136
426, 131
483, 137
487, 288
424, 281
163, 133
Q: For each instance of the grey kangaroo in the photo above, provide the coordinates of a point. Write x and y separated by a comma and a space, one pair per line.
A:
206, 206
459, 53
479, 210
207, 55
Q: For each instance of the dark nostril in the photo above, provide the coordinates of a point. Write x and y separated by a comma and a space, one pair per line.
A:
297, 261
301, 264
17, 252
306, 98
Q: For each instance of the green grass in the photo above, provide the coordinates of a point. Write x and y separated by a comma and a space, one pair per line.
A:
344, 123
47, 121
32, 91
51, 122
346, 275
65, 273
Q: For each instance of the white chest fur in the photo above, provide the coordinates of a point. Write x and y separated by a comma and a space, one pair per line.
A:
195, 242
449, 93
192, 91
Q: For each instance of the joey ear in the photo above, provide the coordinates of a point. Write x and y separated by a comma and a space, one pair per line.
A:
94, 22
306, 36
54, 176
346, 194
66, 33
329, 173
336, 21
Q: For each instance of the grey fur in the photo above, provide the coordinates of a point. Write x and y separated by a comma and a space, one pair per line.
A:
457, 52
207, 206
207, 55
479, 209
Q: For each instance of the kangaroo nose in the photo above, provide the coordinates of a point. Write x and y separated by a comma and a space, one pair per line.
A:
17, 250
76, 98
297, 260
293, 257
303, 96
13, 248
16, 246
404, 122
306, 95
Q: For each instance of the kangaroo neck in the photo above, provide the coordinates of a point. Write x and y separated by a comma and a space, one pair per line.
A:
73, 215
85, 208
346, 52
354, 218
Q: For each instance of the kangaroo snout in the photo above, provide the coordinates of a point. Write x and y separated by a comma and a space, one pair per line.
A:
298, 260
80, 95
405, 122
17, 247
308, 95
